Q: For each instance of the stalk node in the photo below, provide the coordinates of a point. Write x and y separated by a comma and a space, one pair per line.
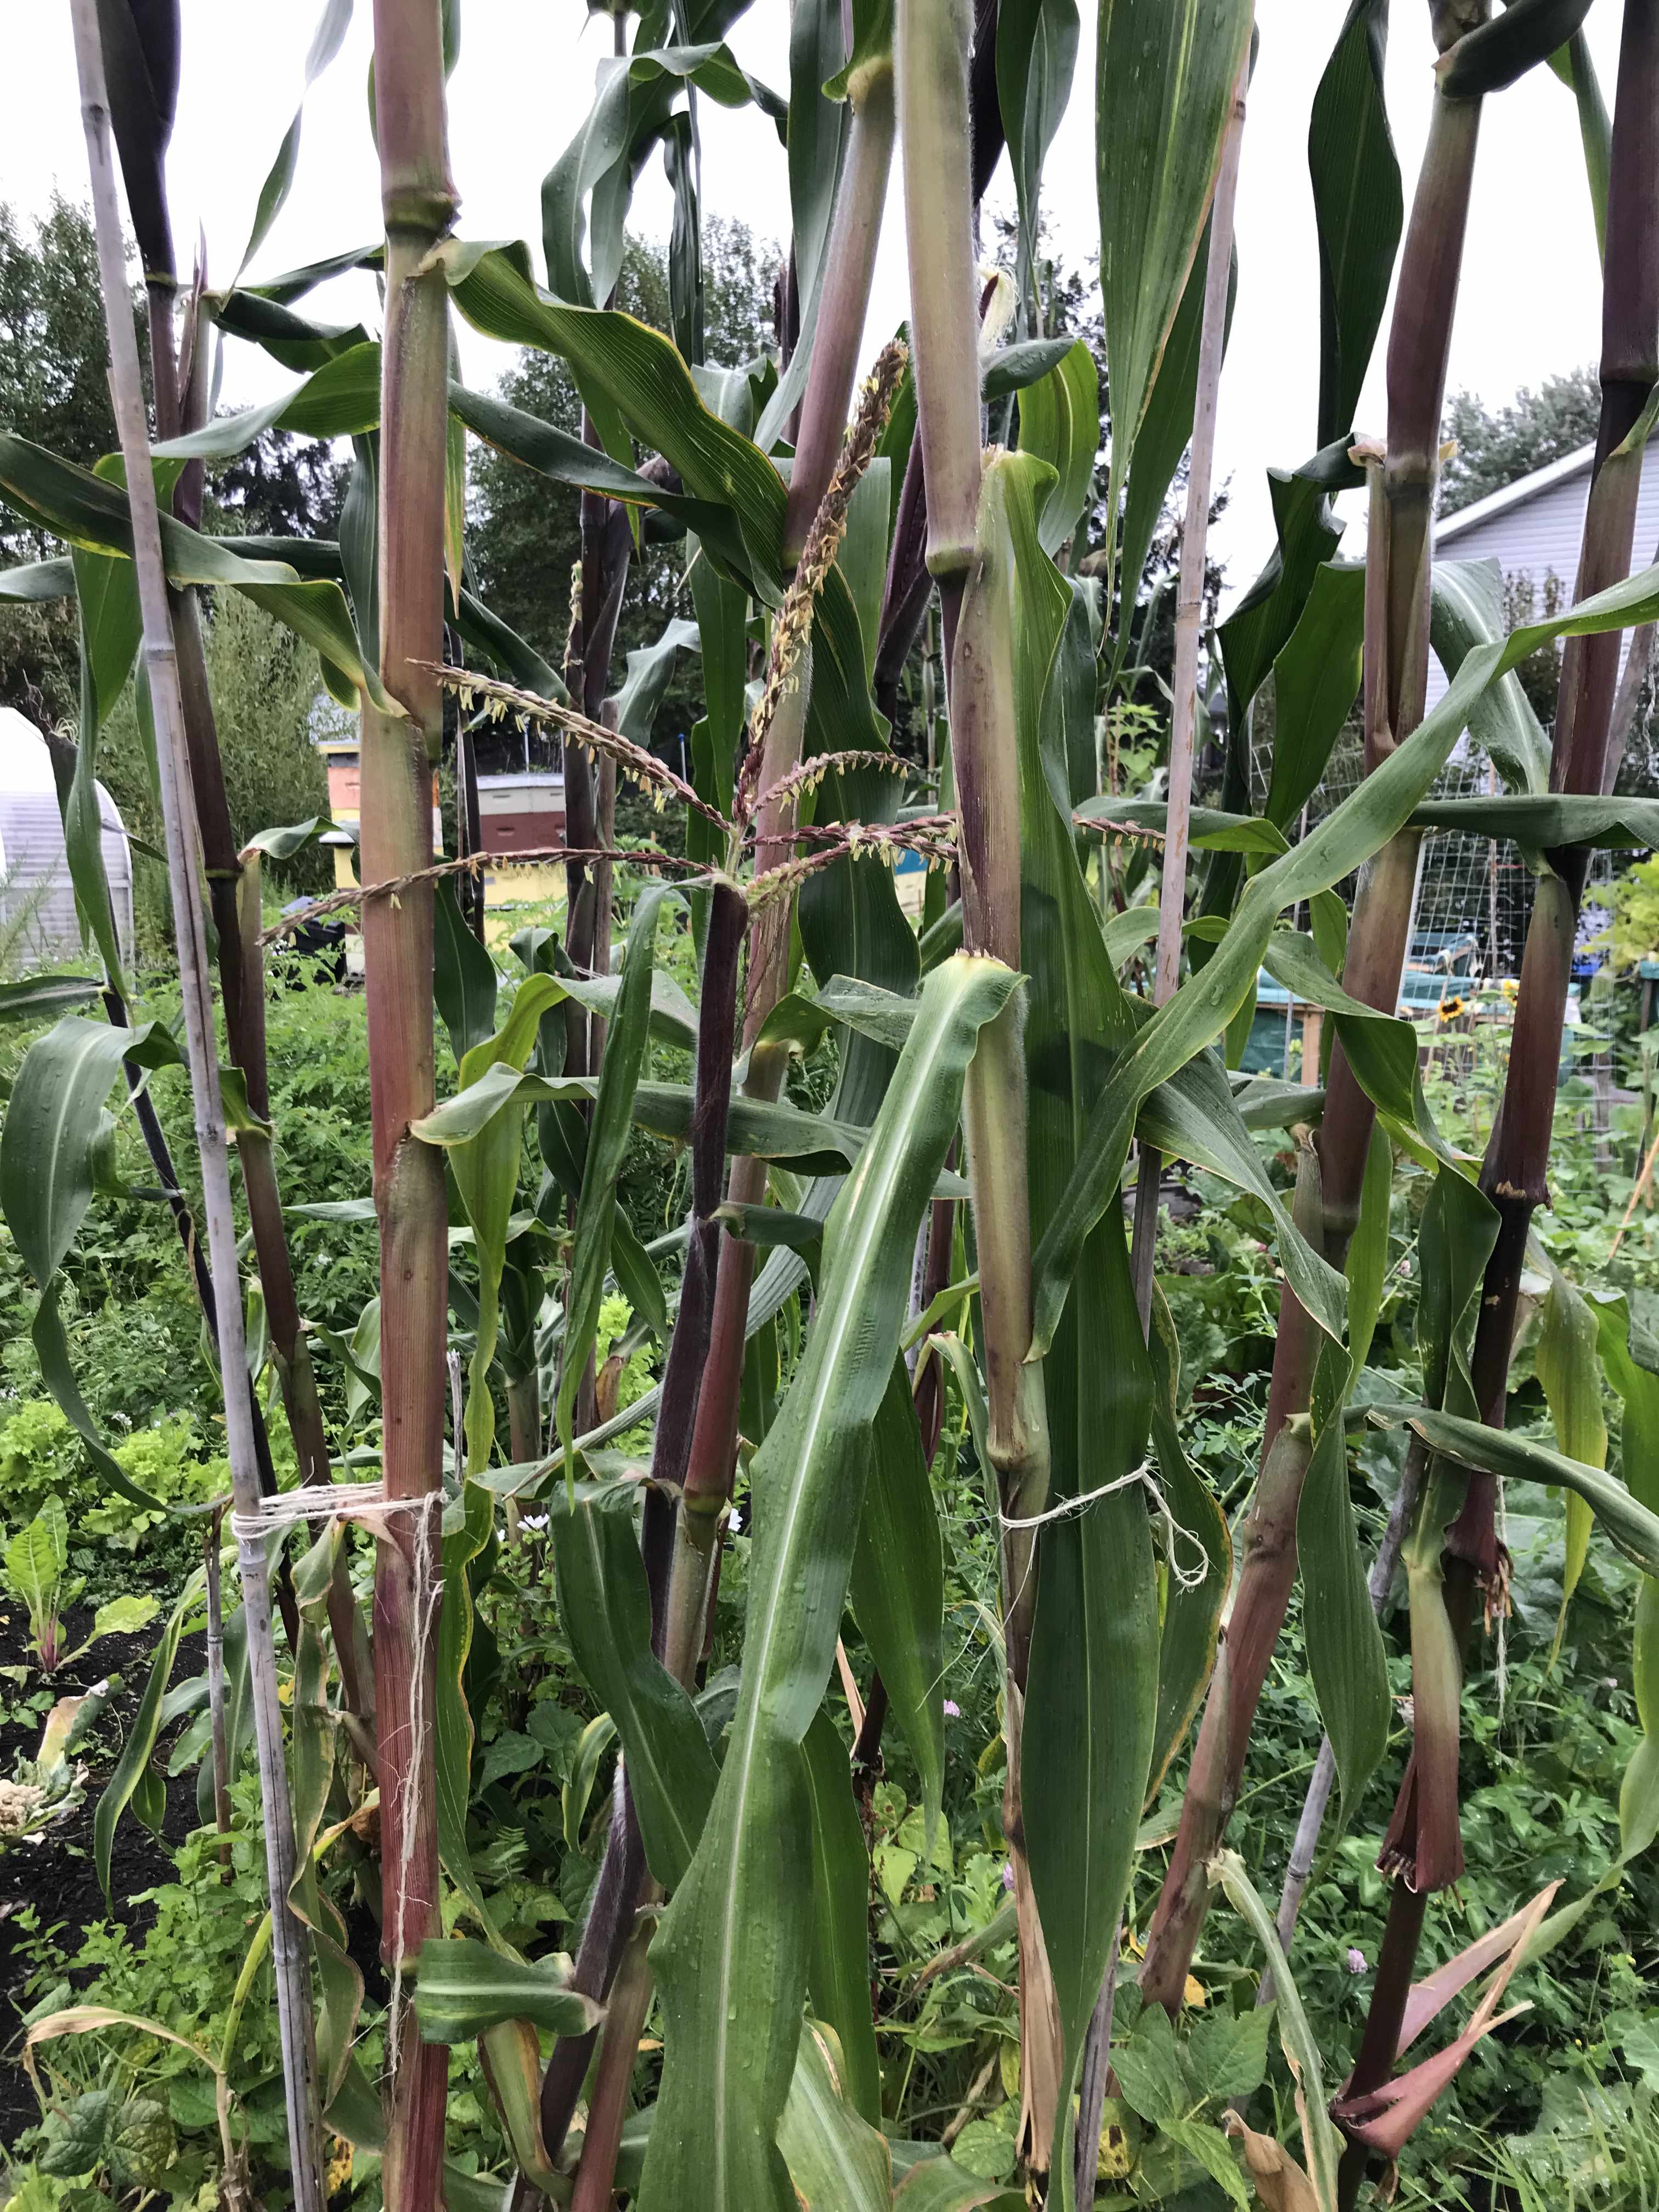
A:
426, 212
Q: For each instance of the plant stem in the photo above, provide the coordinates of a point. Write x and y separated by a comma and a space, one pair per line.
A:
1513, 1175
714, 1438
1306, 1842
621, 1872
289, 1944
1398, 554
624, 2022
931, 49
844, 298
399, 749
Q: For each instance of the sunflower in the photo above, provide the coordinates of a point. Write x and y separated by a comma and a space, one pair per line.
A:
1449, 1009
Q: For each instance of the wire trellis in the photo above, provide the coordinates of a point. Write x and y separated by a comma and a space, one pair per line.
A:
1473, 898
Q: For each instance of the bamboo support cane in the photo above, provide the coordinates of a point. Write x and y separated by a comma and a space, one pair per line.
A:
289, 1952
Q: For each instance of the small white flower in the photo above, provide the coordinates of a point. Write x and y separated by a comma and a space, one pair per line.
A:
1357, 1961
736, 1521
533, 1520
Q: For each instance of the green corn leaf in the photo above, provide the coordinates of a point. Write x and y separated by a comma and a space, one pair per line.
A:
1381, 1049
464, 1987
811, 1143
133, 1764
1307, 533
1347, 837
326, 43
106, 606
638, 373
835, 2156
1346, 1655
1321, 2146
1358, 206
339, 1983
1494, 54
1164, 76
1454, 1241
838, 1963
452, 1732
1060, 423
36, 996
850, 921
341, 400
898, 1585
463, 978
1315, 683
607, 1140
1036, 53
1633, 1526
38, 582
817, 140
1090, 1701
54, 1120
650, 670
629, 115
74, 504
296, 342
565, 460
1637, 1385
1186, 1645
511, 2056
732, 1957
1572, 62
1194, 1117
486, 1165
1466, 608
1210, 828
1012, 367
1567, 1364
607, 1611
52, 1352
595, 1739
1546, 820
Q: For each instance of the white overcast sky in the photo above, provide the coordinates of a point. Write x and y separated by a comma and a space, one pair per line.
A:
1530, 299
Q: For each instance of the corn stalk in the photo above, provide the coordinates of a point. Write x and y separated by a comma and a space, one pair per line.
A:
400, 746
1398, 552
932, 52
1423, 1847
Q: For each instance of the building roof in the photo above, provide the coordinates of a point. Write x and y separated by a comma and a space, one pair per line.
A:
1514, 495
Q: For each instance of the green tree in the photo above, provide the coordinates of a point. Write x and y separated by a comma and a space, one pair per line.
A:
54, 390
1498, 445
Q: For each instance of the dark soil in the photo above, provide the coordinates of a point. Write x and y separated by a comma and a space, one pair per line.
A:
55, 1872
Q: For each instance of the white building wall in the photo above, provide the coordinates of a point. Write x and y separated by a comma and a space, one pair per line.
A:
1540, 535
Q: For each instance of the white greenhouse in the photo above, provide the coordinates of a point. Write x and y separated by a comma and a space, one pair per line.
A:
38, 924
